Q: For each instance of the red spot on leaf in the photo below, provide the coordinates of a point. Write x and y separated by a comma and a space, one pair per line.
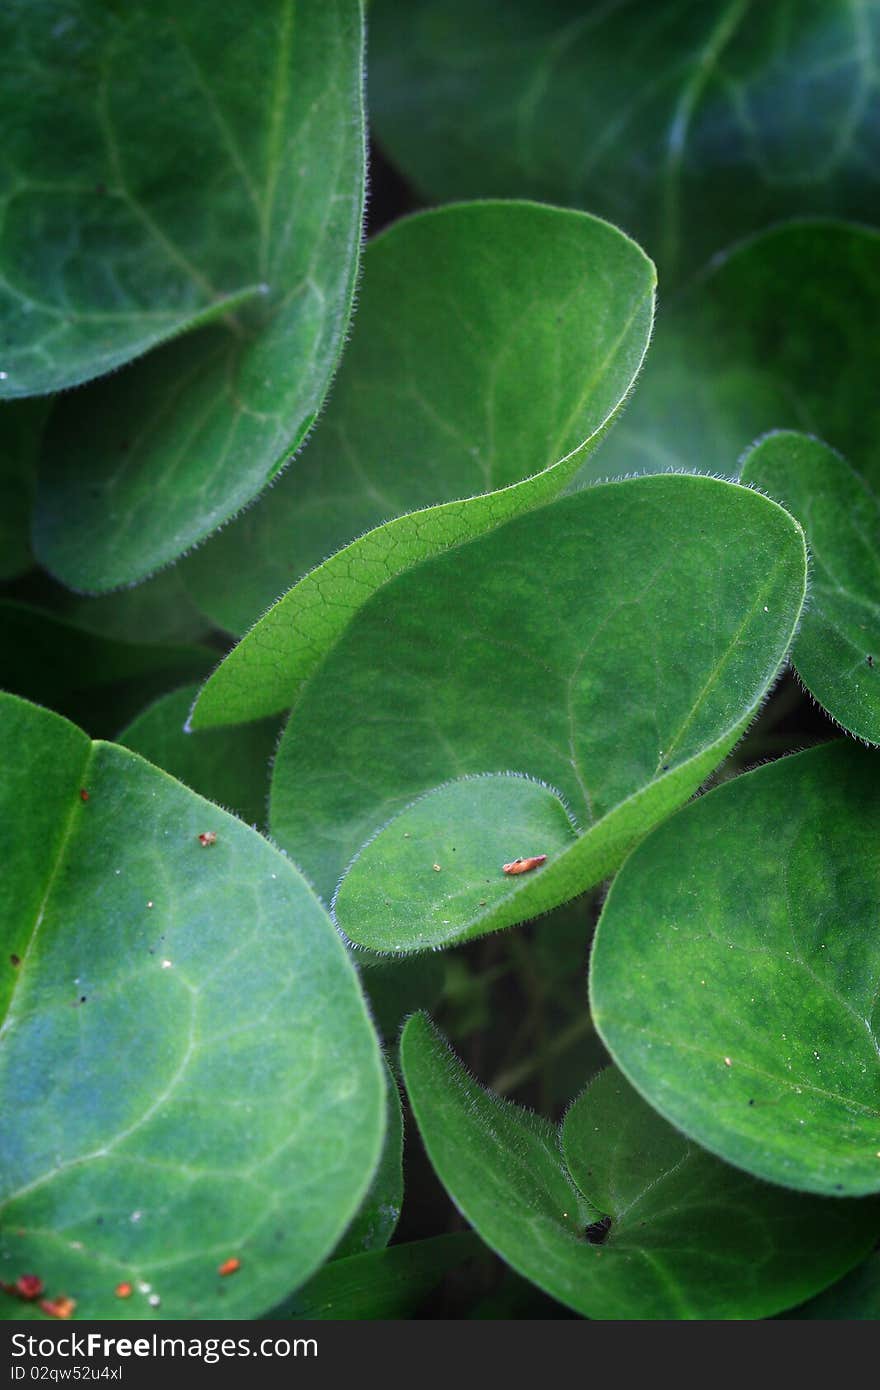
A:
83, 794
229, 1266
208, 837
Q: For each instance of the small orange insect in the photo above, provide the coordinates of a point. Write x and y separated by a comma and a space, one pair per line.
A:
123, 1290
229, 1266
208, 837
525, 866
83, 794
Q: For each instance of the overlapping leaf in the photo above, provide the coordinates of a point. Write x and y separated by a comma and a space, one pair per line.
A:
230, 190
386, 1284
689, 123
688, 1236
493, 344
779, 333
510, 655
187, 1071
837, 652
228, 766
735, 971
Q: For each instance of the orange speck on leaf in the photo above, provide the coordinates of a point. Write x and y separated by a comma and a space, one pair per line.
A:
123, 1290
229, 1266
208, 837
525, 866
58, 1307
83, 794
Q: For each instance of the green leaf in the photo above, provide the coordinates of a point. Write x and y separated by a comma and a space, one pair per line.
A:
837, 652
778, 333
228, 766
434, 874
689, 123
511, 653
159, 610
493, 345
379, 1212
121, 106
856, 1297
99, 682
735, 968
387, 1284
22, 429
184, 1025
684, 1228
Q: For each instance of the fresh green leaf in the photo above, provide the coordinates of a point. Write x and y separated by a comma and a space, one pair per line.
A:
387, 1284
493, 345
837, 652
856, 1297
109, 245
244, 170
684, 1229
229, 766
379, 1212
689, 123
95, 680
734, 974
511, 653
778, 333
188, 1073
412, 886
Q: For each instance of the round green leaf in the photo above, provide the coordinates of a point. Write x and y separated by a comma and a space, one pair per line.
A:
511, 653
778, 333
187, 1071
734, 974
690, 122
228, 766
684, 1230
435, 874
837, 651
494, 342
108, 228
